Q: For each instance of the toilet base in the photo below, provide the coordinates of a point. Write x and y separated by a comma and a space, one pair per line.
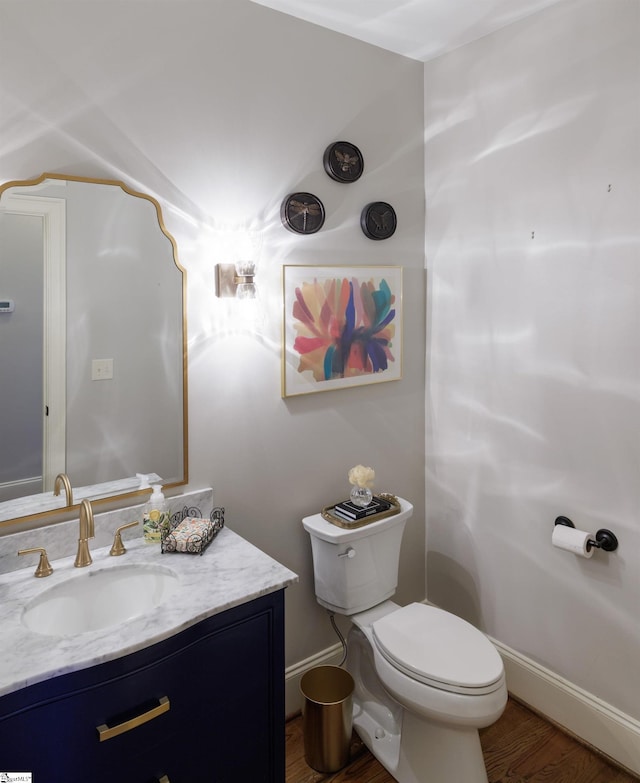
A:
418, 751
430, 753
413, 748
381, 736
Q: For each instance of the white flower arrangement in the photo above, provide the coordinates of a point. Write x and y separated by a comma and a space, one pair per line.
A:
361, 476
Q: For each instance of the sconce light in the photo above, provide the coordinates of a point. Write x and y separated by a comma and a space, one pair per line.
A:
236, 280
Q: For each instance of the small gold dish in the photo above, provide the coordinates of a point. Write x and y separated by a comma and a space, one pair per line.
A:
327, 513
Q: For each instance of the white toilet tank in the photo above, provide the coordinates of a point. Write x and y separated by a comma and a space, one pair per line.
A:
356, 569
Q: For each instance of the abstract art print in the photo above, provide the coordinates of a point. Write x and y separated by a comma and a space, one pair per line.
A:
342, 327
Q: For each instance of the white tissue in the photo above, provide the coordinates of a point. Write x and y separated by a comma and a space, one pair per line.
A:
572, 540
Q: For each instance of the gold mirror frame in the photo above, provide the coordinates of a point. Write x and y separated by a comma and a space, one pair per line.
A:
59, 514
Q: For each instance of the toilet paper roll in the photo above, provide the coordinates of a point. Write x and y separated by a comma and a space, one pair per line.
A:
572, 540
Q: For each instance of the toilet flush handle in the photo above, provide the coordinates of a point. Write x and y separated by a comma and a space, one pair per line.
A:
349, 552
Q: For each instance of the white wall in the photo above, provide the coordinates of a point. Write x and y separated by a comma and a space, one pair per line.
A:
533, 379
220, 108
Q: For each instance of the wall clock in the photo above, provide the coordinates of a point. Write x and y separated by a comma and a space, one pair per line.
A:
378, 220
343, 161
302, 213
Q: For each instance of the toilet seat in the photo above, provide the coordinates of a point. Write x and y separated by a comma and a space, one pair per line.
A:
439, 649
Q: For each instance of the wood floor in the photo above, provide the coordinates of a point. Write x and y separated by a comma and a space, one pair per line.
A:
519, 748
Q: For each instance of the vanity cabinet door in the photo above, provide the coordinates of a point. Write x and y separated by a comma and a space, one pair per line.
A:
224, 681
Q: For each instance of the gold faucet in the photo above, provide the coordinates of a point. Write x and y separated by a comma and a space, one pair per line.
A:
63, 479
118, 547
44, 566
87, 531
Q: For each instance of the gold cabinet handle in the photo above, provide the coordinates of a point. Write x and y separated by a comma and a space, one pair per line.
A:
106, 732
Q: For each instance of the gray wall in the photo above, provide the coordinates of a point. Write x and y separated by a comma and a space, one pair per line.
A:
124, 303
221, 108
533, 390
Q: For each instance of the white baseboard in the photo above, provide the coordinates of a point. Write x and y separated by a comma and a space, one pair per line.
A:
588, 718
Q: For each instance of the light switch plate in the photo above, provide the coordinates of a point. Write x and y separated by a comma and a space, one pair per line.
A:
101, 369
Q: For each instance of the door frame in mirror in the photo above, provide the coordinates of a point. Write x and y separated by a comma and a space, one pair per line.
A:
52, 211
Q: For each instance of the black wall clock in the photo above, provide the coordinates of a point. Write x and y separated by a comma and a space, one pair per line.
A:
378, 220
302, 213
343, 161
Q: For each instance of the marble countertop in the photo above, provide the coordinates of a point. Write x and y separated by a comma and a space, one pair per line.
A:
229, 573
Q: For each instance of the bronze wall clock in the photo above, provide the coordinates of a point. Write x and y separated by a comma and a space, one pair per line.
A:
302, 213
378, 220
343, 161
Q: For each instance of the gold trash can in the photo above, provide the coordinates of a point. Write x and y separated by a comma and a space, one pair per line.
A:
327, 717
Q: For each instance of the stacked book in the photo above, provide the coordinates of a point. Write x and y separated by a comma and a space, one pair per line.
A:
349, 511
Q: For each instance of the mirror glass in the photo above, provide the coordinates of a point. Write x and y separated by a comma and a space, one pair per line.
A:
92, 344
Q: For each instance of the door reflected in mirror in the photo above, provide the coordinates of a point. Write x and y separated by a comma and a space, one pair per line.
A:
94, 349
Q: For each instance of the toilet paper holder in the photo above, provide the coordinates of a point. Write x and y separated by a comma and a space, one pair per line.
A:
604, 539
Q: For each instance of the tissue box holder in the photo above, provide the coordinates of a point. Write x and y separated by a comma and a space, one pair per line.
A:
192, 534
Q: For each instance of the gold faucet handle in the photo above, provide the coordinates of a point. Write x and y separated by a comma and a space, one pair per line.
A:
118, 547
44, 566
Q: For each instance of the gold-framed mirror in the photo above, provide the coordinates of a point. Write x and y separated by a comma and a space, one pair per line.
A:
93, 345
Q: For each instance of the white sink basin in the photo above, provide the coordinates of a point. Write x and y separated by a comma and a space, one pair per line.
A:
99, 599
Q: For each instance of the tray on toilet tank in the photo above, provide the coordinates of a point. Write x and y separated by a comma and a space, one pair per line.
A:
327, 513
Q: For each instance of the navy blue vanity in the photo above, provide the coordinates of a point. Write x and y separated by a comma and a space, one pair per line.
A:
191, 691
216, 690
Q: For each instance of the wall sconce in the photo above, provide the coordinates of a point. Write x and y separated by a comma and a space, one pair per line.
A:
237, 280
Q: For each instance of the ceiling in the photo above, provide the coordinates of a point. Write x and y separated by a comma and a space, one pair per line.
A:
420, 29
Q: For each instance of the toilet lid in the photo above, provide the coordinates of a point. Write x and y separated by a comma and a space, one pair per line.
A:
439, 649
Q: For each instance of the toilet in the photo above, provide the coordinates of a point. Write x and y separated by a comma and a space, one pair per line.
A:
425, 680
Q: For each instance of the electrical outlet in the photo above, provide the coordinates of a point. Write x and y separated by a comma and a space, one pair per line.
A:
101, 369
